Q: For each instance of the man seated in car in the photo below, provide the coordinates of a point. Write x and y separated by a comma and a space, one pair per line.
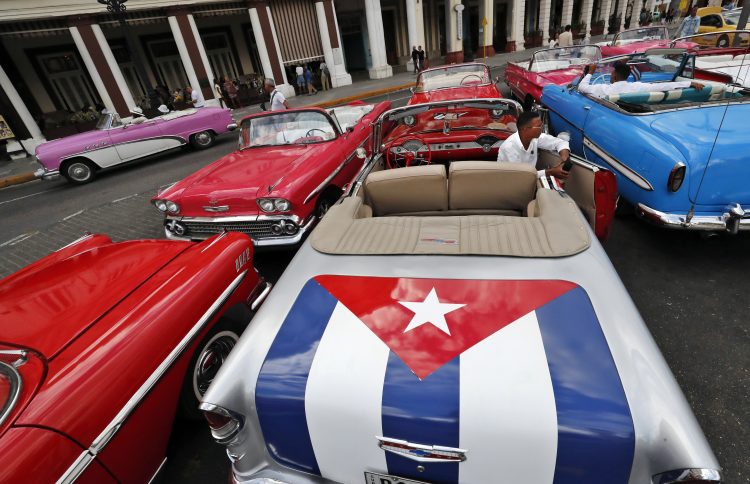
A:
523, 146
619, 83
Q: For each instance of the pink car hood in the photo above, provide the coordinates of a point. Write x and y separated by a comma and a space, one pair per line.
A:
609, 51
561, 76
49, 153
239, 178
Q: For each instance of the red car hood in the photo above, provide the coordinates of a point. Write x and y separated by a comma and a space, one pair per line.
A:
450, 94
239, 178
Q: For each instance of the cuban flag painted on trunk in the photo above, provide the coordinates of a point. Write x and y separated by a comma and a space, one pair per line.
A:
516, 373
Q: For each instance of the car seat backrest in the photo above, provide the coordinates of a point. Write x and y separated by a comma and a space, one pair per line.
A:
708, 93
407, 190
490, 185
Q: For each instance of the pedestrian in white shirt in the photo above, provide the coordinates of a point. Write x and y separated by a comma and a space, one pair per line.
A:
523, 146
619, 83
196, 98
278, 101
566, 38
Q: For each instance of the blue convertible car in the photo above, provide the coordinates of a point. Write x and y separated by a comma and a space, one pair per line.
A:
682, 158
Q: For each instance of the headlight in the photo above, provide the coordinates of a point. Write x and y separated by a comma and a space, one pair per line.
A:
172, 207
282, 205
266, 204
161, 205
410, 120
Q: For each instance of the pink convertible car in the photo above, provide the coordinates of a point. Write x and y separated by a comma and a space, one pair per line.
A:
114, 141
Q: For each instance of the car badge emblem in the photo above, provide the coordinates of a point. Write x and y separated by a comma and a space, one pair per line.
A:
420, 452
219, 208
448, 116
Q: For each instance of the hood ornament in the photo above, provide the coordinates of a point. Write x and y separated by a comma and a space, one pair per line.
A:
218, 208
421, 452
275, 184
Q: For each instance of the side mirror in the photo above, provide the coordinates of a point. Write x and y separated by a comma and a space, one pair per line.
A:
349, 129
361, 153
497, 79
412, 89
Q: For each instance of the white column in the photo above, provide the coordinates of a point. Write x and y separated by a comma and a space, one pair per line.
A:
606, 7
567, 13
334, 57
586, 11
545, 12
265, 60
113, 66
421, 40
20, 107
202, 51
411, 27
486, 10
184, 54
623, 10
452, 30
91, 68
518, 15
380, 68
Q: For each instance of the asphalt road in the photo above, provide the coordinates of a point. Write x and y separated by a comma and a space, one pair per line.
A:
691, 291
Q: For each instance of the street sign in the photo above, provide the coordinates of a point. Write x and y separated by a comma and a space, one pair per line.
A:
484, 22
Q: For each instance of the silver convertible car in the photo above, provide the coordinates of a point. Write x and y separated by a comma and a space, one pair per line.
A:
459, 325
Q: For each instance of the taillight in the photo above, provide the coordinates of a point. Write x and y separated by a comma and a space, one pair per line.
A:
224, 424
676, 176
605, 200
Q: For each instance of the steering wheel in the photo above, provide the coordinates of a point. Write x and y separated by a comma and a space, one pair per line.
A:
310, 132
471, 75
396, 156
598, 78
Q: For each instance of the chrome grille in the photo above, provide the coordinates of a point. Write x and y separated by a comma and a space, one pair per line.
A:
258, 229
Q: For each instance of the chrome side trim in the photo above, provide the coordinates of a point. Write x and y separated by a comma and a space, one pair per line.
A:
330, 177
218, 238
711, 223
161, 466
624, 170
236, 218
178, 138
16, 383
87, 235
261, 297
687, 475
117, 422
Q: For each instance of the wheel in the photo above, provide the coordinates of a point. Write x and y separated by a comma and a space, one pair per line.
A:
723, 41
325, 202
202, 140
211, 354
79, 171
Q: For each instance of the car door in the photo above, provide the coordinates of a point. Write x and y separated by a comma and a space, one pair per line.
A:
568, 111
594, 189
141, 138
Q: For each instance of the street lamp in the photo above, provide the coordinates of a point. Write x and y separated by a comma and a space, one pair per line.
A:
118, 10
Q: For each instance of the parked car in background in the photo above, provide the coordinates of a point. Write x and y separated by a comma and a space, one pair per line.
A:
114, 141
454, 81
548, 66
717, 61
291, 166
456, 325
103, 343
639, 39
713, 19
679, 156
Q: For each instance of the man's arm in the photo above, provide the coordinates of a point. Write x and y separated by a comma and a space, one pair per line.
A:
586, 87
552, 143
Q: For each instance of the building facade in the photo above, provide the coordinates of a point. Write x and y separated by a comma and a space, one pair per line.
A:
56, 60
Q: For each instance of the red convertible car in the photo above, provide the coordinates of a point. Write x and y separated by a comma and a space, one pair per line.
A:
640, 39
454, 81
101, 343
549, 66
290, 167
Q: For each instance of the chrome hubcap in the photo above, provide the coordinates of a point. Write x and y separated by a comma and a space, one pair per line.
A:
79, 171
203, 138
210, 359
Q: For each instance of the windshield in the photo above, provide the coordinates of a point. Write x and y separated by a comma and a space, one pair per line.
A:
453, 76
731, 18
298, 127
103, 122
637, 35
555, 59
348, 116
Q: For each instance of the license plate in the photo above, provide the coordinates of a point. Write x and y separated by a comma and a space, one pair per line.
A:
373, 478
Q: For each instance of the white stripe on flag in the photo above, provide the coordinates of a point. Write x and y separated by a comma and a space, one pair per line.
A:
343, 399
508, 418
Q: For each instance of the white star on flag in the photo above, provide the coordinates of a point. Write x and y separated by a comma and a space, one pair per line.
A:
431, 310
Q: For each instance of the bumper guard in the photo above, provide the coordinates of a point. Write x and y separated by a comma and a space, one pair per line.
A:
734, 219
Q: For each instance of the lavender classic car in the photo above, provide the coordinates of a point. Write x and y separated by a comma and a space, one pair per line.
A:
116, 141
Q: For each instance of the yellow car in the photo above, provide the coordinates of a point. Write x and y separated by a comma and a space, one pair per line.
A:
713, 19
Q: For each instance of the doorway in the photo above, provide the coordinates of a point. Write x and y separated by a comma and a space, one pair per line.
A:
501, 27
67, 79
168, 64
352, 40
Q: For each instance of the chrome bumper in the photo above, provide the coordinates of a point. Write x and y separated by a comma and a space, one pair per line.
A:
732, 220
231, 126
46, 174
270, 241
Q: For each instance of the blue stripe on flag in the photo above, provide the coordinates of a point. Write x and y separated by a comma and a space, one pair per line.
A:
595, 429
421, 412
280, 391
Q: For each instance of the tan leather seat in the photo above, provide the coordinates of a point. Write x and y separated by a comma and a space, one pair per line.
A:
489, 185
413, 189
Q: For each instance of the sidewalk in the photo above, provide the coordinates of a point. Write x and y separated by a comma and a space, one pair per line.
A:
22, 170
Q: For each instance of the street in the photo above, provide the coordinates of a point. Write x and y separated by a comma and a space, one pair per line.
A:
691, 291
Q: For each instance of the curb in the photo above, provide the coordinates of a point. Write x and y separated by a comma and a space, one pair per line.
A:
17, 179
362, 95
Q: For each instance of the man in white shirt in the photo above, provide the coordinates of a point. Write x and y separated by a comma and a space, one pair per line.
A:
619, 83
566, 38
523, 146
196, 98
278, 101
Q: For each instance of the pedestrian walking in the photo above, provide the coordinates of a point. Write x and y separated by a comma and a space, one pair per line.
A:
415, 58
194, 97
231, 91
325, 76
309, 80
301, 87
278, 101
566, 38
421, 58
689, 25
218, 93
